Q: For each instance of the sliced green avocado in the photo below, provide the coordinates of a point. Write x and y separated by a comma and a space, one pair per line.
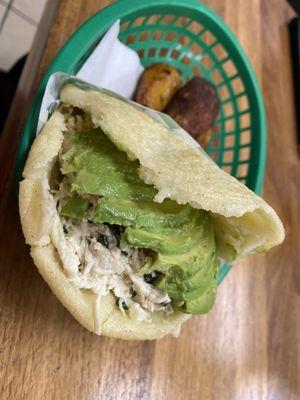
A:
161, 242
75, 208
192, 293
188, 261
203, 303
99, 168
181, 236
147, 214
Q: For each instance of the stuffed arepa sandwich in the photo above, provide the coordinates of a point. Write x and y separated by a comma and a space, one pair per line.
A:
127, 222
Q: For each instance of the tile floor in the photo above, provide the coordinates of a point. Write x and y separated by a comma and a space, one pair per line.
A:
18, 23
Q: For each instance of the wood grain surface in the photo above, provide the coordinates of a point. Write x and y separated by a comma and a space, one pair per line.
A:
247, 347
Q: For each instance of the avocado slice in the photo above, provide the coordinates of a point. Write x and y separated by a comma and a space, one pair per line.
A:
202, 304
99, 168
75, 207
146, 214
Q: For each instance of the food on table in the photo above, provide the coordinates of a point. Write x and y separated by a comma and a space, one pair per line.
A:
127, 222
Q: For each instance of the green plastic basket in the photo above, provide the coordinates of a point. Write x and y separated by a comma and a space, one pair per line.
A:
191, 37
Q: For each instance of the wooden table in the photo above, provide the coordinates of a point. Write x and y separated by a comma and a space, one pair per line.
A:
247, 347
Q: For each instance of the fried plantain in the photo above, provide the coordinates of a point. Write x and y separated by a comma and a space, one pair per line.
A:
195, 107
157, 85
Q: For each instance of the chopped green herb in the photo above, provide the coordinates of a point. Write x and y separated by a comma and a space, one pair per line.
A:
152, 277
103, 240
117, 231
89, 239
123, 304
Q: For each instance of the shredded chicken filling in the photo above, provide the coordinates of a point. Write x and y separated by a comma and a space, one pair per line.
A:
94, 260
